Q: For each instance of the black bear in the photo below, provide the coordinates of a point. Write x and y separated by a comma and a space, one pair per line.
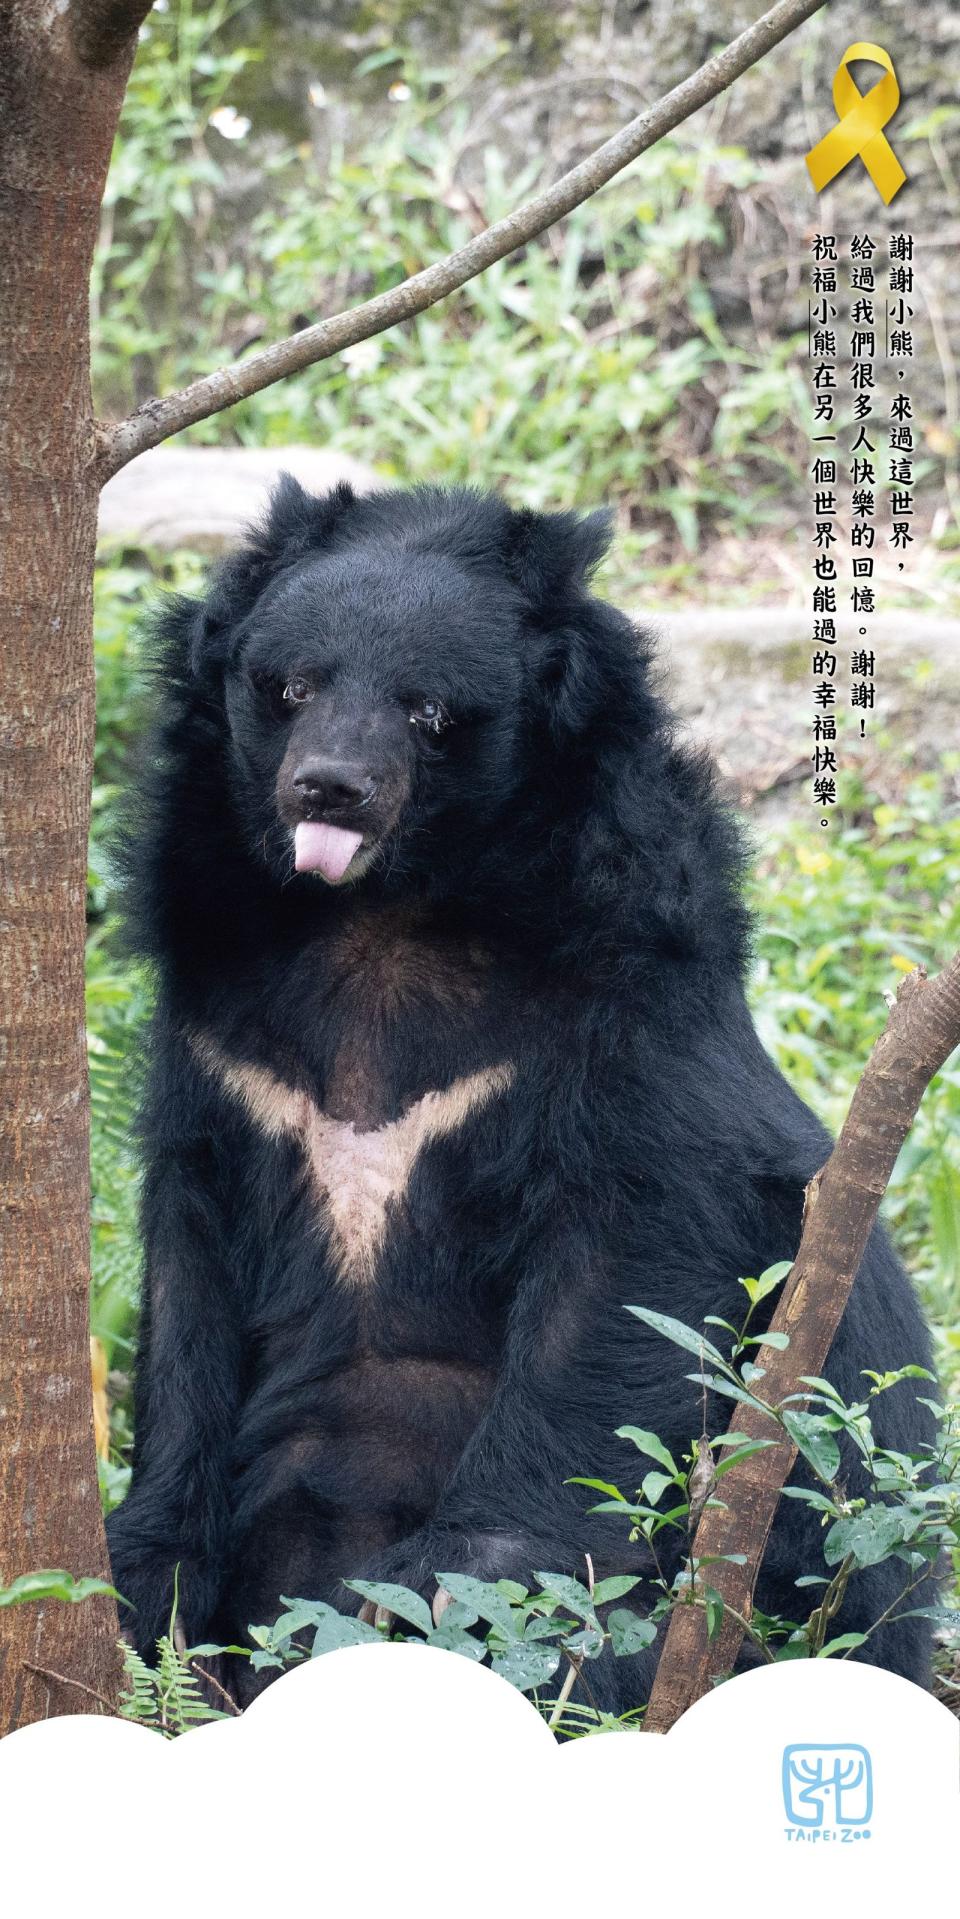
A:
450, 1062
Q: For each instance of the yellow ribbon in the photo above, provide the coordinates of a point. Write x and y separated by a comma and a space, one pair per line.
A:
861, 118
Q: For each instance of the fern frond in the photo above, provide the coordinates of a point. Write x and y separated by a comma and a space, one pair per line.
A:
180, 1700
139, 1700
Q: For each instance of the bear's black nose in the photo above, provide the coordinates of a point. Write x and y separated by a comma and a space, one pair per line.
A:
335, 786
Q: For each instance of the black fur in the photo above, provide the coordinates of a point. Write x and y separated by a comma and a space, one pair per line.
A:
555, 887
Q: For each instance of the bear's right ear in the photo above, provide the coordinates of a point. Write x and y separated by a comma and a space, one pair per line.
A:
296, 524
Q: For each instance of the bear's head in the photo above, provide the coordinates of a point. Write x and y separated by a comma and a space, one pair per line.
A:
407, 678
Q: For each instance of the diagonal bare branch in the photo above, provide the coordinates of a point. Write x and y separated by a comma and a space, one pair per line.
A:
842, 1202
101, 30
157, 419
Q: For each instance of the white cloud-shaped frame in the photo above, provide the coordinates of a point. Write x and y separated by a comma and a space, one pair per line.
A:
398, 1779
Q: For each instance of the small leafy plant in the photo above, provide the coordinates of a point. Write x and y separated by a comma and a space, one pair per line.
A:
167, 1698
527, 1636
173, 1695
910, 1513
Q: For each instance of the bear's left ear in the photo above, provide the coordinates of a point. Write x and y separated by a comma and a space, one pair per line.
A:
296, 524
550, 557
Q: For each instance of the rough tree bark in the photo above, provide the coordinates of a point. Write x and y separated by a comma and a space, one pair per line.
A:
841, 1207
62, 78
63, 70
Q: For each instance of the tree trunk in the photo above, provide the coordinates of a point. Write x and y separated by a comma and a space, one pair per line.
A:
58, 115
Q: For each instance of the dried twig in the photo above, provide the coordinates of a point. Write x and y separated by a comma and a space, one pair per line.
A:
208, 1678
572, 1675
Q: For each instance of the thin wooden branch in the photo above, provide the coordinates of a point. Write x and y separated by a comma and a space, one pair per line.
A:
228, 1699
63, 1679
157, 419
102, 30
842, 1200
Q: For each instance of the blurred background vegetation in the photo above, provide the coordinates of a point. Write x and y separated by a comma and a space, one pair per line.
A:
609, 362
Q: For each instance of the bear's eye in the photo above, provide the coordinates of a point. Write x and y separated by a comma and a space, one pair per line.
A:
431, 715
297, 691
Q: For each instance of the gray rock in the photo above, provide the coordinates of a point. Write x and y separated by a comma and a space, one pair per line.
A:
203, 497
741, 683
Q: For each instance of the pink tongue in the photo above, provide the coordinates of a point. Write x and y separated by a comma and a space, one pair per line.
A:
320, 848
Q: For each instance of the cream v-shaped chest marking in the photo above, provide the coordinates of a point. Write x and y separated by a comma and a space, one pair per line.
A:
355, 1175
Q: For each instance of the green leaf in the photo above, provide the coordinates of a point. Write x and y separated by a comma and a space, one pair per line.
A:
883, 1381
623, 1509
819, 1501
846, 1643
544, 1626
28, 1588
655, 1485
818, 1446
264, 1661
870, 1536
596, 1486
757, 1289
398, 1599
587, 1641
457, 1639
729, 1391
679, 1334
213, 1652
614, 1588
300, 1614
745, 1451
484, 1600
527, 1666
460, 1616
822, 1386
569, 1593
629, 1633
796, 1647
713, 1605
512, 1591
338, 1629
650, 1444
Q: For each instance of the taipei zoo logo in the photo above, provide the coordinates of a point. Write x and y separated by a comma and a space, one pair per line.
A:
827, 1792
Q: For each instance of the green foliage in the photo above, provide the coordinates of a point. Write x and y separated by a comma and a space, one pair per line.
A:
840, 921
602, 339
118, 991
167, 1698
527, 1636
911, 1513
31, 1587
